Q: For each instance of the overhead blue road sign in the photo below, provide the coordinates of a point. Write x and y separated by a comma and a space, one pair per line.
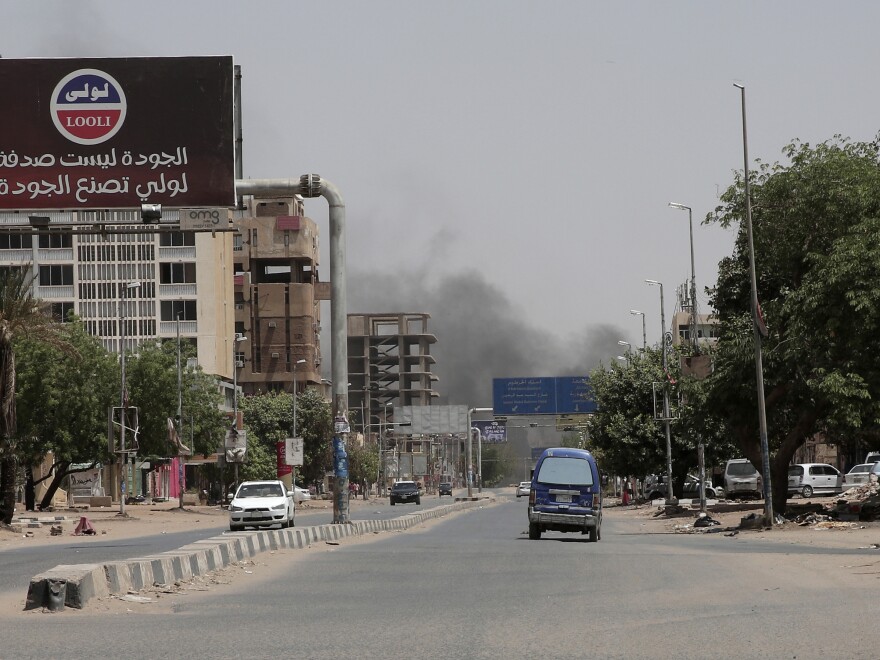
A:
542, 396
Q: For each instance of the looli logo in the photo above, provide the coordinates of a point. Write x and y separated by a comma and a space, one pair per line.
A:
88, 106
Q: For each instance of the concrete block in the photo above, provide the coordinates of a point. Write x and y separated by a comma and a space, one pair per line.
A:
118, 575
83, 582
100, 500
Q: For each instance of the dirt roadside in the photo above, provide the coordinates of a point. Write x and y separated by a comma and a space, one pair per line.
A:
141, 520
650, 519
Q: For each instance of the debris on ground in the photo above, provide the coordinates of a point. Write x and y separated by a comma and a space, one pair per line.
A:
704, 520
56, 530
84, 526
752, 521
859, 503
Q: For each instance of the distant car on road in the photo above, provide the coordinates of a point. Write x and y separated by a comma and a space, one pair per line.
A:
301, 494
445, 488
523, 488
261, 504
405, 491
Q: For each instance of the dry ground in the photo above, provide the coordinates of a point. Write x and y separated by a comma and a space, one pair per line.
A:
140, 520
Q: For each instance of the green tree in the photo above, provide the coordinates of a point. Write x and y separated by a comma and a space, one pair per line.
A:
151, 380
21, 315
63, 398
817, 256
624, 430
269, 419
363, 463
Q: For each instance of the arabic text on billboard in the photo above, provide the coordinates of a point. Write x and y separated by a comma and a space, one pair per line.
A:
117, 132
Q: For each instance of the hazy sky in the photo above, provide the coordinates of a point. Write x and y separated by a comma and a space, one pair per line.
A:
506, 166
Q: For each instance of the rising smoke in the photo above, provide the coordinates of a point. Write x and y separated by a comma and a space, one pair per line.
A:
480, 334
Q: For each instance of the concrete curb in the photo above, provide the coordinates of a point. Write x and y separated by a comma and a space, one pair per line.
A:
73, 585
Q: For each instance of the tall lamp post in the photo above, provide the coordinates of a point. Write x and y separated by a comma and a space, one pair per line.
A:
381, 476
759, 366
682, 207
238, 338
636, 312
670, 499
123, 405
293, 426
179, 420
695, 344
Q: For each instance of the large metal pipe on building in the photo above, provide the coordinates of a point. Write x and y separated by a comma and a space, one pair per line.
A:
310, 186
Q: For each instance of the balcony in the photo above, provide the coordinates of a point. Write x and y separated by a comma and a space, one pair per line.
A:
177, 290
187, 328
62, 292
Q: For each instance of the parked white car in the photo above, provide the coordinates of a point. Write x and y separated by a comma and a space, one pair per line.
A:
523, 488
742, 478
809, 478
857, 475
261, 504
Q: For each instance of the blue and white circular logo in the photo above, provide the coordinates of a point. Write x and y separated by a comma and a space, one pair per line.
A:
88, 106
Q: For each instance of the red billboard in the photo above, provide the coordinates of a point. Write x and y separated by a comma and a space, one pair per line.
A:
116, 133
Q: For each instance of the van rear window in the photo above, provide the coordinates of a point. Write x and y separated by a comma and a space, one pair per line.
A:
570, 471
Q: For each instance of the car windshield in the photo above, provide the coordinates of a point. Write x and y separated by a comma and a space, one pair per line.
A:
260, 490
561, 470
403, 485
741, 469
866, 467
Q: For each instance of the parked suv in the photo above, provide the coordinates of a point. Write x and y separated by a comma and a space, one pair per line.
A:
566, 494
405, 491
742, 478
809, 478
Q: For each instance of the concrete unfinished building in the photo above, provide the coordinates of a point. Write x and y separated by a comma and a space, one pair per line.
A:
277, 297
389, 365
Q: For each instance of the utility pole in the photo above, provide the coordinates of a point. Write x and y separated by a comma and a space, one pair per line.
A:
670, 497
757, 324
179, 420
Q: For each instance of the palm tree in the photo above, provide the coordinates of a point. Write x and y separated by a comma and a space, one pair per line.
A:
21, 315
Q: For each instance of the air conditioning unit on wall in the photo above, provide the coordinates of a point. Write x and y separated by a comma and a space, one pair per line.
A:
272, 324
275, 356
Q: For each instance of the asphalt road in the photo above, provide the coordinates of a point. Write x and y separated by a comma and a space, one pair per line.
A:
473, 586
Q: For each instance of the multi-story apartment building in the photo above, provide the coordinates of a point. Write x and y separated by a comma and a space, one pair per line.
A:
137, 285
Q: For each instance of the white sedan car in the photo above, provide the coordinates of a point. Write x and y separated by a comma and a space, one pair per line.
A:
523, 488
301, 494
261, 504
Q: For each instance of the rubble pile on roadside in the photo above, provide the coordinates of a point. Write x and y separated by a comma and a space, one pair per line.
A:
858, 503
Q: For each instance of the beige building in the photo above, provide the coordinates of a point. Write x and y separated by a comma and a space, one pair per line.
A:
277, 297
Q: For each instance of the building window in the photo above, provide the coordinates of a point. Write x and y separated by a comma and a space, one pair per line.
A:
61, 311
180, 273
237, 242
56, 275
171, 308
55, 240
177, 239
15, 241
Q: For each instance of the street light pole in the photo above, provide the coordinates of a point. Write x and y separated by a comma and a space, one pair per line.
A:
293, 426
682, 207
670, 499
238, 337
123, 456
179, 420
636, 312
759, 367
